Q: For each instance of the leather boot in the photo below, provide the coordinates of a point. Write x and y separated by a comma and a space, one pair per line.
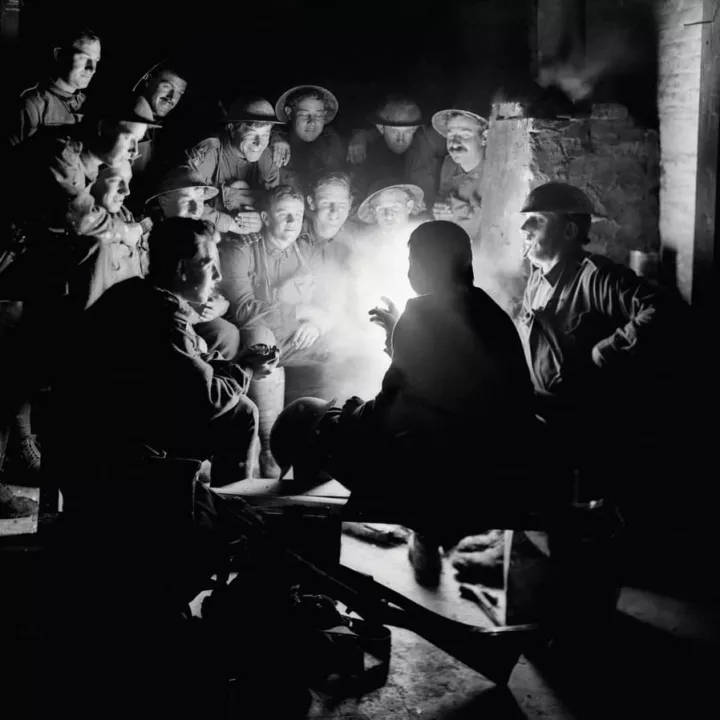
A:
269, 396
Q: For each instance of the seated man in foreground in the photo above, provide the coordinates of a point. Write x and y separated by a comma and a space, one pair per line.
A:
455, 407
163, 395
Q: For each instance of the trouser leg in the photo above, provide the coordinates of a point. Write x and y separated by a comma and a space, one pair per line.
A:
231, 443
268, 394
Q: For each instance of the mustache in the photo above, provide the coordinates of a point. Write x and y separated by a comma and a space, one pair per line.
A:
458, 148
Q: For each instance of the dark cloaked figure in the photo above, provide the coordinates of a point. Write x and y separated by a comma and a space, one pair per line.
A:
455, 406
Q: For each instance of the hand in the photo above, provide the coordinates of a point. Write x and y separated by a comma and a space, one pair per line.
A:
248, 222
386, 319
357, 148
305, 336
350, 406
214, 308
280, 151
442, 211
261, 359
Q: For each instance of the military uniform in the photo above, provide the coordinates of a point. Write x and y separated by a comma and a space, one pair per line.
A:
273, 290
462, 191
310, 160
418, 165
220, 165
46, 105
66, 230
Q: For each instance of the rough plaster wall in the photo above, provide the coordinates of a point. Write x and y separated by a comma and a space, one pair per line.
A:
616, 163
506, 181
679, 101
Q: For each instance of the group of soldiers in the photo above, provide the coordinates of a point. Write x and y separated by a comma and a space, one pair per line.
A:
292, 200
205, 301
260, 250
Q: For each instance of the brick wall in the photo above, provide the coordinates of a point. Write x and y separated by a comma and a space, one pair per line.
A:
678, 101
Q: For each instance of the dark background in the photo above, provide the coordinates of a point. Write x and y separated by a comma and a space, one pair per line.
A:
440, 52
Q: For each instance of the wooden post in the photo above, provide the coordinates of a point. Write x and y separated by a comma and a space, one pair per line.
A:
707, 214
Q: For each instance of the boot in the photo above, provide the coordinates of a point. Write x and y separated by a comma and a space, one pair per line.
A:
269, 396
425, 560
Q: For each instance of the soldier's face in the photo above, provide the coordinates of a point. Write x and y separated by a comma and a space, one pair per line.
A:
187, 202
284, 221
391, 208
465, 141
164, 92
545, 237
252, 140
398, 139
309, 119
125, 138
112, 187
331, 205
81, 63
199, 276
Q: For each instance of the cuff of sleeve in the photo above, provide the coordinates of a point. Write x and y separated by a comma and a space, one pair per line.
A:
602, 353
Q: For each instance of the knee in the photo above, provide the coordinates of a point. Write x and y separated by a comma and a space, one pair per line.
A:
247, 413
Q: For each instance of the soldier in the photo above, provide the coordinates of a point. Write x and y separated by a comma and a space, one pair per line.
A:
459, 196
590, 329
60, 99
183, 193
57, 274
270, 284
409, 151
118, 260
315, 147
235, 160
162, 86
454, 418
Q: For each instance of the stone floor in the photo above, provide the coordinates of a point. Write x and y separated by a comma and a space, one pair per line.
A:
663, 661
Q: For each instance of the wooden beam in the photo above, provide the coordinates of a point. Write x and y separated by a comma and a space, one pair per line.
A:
706, 260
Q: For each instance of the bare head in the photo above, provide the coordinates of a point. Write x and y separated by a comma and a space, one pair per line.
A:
283, 216
330, 201
112, 186
184, 258
440, 258
77, 56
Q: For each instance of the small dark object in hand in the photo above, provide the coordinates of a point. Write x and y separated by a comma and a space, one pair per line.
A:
265, 350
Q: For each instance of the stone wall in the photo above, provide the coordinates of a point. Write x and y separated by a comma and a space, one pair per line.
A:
679, 101
612, 160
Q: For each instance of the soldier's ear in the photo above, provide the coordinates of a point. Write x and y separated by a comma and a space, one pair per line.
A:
264, 217
381, 129
58, 54
310, 202
288, 113
181, 271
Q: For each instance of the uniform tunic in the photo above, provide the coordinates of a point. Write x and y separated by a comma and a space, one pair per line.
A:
270, 288
220, 165
308, 161
418, 165
462, 190
46, 105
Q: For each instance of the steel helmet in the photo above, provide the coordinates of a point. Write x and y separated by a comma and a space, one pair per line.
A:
559, 197
294, 428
